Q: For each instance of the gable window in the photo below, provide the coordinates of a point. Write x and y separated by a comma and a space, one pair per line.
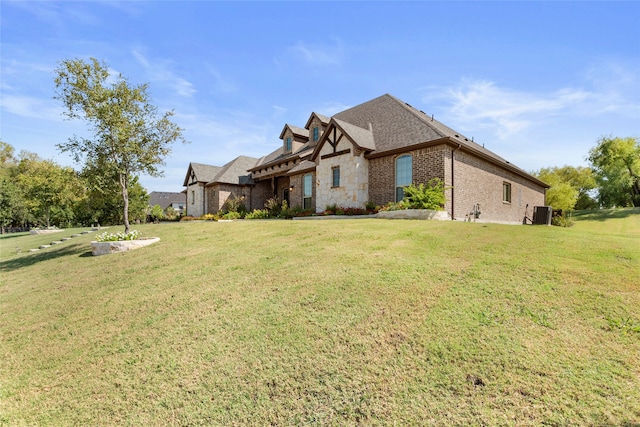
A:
307, 191
335, 176
506, 192
404, 174
193, 197
316, 134
287, 145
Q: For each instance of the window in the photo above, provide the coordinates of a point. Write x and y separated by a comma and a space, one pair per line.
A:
404, 174
506, 192
307, 191
193, 197
316, 134
335, 176
287, 146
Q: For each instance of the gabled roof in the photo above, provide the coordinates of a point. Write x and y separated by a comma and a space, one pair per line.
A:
166, 199
296, 131
324, 119
397, 126
235, 172
362, 138
203, 173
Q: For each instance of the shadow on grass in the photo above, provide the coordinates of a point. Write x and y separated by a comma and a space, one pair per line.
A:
12, 235
605, 214
32, 258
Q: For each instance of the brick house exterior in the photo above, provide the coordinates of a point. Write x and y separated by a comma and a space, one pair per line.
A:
368, 153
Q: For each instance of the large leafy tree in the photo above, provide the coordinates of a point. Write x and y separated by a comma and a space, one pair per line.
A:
11, 198
48, 187
616, 162
130, 137
570, 187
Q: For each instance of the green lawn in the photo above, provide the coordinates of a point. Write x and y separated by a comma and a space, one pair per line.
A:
351, 322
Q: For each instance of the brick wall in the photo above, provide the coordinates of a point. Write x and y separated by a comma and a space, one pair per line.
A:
297, 194
428, 163
478, 181
260, 193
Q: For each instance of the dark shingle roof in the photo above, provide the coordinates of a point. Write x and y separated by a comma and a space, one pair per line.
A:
203, 173
236, 171
165, 199
296, 131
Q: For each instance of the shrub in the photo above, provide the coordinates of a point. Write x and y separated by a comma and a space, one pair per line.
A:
562, 221
187, 218
273, 206
258, 214
210, 217
429, 196
234, 204
232, 215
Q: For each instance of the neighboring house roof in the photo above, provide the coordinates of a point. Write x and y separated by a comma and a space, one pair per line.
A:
166, 199
235, 172
201, 172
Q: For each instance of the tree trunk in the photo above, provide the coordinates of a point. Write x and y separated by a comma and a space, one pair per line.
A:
125, 199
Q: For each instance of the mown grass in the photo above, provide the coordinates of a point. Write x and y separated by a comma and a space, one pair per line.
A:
354, 322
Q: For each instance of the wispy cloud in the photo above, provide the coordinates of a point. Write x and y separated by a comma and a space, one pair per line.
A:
28, 106
484, 104
328, 53
161, 72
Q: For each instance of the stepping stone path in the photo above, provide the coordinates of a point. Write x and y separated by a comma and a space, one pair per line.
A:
64, 239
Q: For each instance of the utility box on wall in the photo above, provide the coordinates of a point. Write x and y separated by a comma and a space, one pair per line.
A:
542, 215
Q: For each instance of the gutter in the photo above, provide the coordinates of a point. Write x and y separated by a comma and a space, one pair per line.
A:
453, 188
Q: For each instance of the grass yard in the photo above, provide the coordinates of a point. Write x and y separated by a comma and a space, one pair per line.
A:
351, 322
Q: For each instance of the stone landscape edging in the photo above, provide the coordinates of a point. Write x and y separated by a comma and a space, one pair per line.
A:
105, 248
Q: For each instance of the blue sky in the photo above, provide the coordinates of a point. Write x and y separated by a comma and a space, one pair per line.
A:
536, 82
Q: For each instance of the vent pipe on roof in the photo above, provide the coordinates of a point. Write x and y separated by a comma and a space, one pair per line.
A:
432, 117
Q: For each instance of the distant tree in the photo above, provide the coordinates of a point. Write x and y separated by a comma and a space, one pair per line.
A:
46, 186
129, 137
11, 200
570, 187
616, 162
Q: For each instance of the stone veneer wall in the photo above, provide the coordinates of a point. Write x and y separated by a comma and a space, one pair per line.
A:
354, 177
195, 199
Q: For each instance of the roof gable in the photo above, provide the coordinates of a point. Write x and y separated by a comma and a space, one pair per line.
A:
200, 172
297, 131
323, 119
361, 138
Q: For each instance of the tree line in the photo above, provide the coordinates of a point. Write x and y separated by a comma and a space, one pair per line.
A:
36, 192
612, 179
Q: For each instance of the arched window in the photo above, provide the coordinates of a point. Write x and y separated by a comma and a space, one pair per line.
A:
404, 174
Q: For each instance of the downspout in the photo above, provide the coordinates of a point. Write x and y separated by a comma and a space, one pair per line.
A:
453, 189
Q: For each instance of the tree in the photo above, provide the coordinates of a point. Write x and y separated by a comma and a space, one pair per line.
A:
616, 162
46, 186
11, 201
570, 187
129, 136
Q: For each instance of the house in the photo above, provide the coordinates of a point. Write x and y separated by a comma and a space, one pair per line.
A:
369, 153
166, 200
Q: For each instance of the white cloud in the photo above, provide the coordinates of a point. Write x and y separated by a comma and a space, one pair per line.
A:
319, 53
160, 71
483, 104
28, 106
